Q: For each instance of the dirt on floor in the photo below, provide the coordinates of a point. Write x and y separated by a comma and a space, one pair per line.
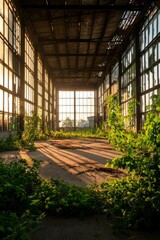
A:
77, 161
80, 162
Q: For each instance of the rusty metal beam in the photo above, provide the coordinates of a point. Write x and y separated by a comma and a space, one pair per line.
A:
77, 54
107, 7
79, 70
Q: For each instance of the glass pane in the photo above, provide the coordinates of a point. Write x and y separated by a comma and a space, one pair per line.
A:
1, 74
1, 48
5, 126
155, 76
1, 100
5, 101
67, 108
1, 123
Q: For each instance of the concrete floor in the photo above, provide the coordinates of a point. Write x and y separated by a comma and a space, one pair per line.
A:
90, 228
78, 161
82, 162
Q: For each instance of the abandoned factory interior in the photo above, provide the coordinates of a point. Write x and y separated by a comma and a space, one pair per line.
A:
62, 59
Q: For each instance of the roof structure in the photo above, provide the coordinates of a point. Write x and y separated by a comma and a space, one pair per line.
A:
80, 39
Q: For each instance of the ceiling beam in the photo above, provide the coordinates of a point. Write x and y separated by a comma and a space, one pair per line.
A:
79, 70
75, 85
119, 7
61, 40
76, 54
71, 15
68, 78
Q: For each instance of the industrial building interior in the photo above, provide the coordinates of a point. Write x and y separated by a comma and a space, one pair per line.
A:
61, 59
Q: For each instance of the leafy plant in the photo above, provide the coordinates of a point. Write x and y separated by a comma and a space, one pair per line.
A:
31, 131
68, 123
87, 133
10, 143
58, 197
143, 147
121, 138
19, 210
134, 201
115, 119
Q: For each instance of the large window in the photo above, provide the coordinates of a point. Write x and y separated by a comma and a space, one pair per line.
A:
128, 79
40, 78
46, 96
29, 76
85, 109
22, 76
150, 60
66, 108
51, 103
10, 54
55, 108
114, 79
76, 109
100, 103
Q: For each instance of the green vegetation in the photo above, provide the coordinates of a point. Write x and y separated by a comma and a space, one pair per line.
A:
130, 202
26, 138
31, 130
122, 138
68, 123
99, 132
10, 143
31, 133
134, 201
19, 211
60, 198
25, 198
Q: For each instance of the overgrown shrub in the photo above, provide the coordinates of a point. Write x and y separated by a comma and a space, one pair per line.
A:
58, 197
135, 201
19, 210
25, 198
120, 137
87, 133
132, 202
26, 138
31, 131
10, 143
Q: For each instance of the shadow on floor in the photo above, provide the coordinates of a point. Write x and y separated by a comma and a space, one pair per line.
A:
90, 228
